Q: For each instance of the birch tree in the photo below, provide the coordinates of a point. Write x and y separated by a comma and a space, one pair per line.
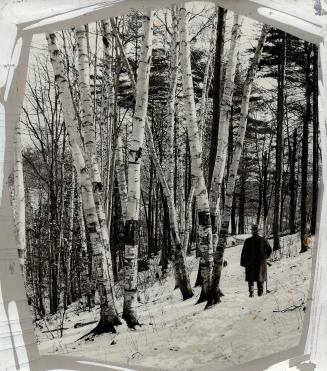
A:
205, 232
134, 174
19, 194
224, 118
214, 296
172, 98
108, 313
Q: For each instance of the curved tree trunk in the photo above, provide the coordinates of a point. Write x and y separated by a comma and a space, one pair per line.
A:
219, 253
134, 173
108, 313
205, 232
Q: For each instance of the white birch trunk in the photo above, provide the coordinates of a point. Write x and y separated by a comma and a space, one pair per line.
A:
134, 174
87, 106
121, 177
239, 141
225, 111
19, 192
89, 140
70, 240
206, 83
104, 279
172, 99
182, 277
205, 232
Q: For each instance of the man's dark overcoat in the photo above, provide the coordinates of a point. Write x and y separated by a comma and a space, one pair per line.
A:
255, 252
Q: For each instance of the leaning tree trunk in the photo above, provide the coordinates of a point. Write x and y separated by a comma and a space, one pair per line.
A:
179, 260
134, 173
279, 141
205, 232
219, 253
19, 193
108, 313
304, 156
89, 137
224, 120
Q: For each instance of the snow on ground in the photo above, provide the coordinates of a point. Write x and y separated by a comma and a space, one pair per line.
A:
179, 335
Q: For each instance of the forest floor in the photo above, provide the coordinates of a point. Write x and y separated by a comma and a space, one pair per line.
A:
179, 335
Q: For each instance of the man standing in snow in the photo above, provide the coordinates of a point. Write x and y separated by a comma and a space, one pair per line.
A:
254, 256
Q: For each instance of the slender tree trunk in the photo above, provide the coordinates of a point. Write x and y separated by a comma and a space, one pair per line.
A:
205, 232
19, 210
134, 172
179, 260
315, 149
279, 141
224, 120
121, 176
188, 223
304, 156
213, 297
241, 201
68, 252
108, 313
293, 185
217, 90
172, 99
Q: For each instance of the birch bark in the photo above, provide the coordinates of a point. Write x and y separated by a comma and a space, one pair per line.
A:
172, 98
19, 193
108, 313
182, 277
225, 111
89, 140
134, 173
205, 232
121, 177
214, 295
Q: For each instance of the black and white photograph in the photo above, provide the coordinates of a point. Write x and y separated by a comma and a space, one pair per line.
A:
165, 188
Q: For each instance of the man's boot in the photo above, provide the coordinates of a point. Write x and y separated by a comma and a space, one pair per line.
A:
251, 289
260, 288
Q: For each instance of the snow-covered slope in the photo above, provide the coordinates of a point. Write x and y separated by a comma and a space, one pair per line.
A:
179, 335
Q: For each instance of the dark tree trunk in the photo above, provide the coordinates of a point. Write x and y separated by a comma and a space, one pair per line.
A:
265, 164
217, 91
151, 247
305, 136
241, 202
259, 202
315, 149
293, 185
233, 217
279, 141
